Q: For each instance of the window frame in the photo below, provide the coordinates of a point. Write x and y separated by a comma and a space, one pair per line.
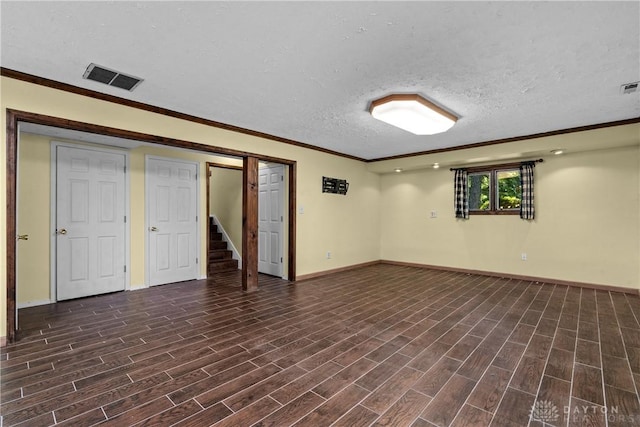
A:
492, 171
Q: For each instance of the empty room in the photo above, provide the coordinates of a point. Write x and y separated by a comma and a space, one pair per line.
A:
303, 213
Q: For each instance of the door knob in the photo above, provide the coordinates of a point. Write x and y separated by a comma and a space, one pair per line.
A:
62, 231
23, 237
153, 228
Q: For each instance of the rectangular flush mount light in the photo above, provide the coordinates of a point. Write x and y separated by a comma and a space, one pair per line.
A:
412, 113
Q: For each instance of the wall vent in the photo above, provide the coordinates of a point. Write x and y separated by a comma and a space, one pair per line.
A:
629, 88
110, 77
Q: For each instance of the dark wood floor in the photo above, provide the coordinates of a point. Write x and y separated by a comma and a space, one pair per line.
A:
381, 345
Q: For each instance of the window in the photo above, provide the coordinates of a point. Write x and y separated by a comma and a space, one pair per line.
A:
495, 191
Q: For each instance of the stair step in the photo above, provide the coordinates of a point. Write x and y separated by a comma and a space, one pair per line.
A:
217, 254
223, 265
217, 244
220, 258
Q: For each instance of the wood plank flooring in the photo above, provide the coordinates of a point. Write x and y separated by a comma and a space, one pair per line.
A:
381, 345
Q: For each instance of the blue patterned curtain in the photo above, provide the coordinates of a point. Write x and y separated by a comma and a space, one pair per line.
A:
527, 210
461, 196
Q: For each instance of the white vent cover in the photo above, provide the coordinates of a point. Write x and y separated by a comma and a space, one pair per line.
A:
629, 88
110, 77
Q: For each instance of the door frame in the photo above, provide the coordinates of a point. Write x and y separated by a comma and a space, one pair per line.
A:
14, 117
281, 202
53, 288
147, 260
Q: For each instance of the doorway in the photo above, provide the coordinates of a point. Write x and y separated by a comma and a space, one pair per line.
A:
270, 218
224, 210
89, 216
171, 192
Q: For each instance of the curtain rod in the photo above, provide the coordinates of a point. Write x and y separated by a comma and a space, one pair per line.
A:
500, 165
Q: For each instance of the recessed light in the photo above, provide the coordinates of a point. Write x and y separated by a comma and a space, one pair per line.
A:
412, 113
397, 170
436, 165
557, 152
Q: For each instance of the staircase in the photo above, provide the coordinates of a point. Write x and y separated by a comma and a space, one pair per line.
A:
220, 258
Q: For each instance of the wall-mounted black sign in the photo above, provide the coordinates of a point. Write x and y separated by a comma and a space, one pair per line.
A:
334, 185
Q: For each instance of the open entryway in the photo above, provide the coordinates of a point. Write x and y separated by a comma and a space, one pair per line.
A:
90, 220
172, 220
224, 210
37, 236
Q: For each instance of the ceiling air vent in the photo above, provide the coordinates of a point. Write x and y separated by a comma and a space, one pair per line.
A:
109, 77
629, 88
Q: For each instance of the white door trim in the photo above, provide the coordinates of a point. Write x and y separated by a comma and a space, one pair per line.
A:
147, 269
53, 211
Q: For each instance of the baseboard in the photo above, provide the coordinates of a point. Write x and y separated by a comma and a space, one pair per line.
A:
302, 277
518, 277
34, 303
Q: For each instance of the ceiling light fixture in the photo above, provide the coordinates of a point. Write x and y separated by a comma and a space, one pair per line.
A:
397, 170
557, 152
436, 165
412, 113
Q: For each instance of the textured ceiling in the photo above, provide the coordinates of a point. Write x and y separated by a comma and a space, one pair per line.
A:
307, 71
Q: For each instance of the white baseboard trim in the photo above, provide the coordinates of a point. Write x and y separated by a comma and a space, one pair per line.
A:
34, 303
225, 237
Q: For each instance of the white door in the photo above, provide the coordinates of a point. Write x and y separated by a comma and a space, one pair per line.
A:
172, 228
270, 219
90, 222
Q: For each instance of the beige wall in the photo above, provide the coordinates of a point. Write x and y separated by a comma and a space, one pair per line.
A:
346, 225
33, 256
586, 226
225, 202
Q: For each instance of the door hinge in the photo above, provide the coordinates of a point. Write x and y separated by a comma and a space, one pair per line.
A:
196, 218
281, 177
196, 260
125, 168
125, 219
280, 259
125, 268
281, 218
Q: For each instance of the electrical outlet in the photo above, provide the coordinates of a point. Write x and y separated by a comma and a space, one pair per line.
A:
434, 214
524, 256
328, 255
301, 210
